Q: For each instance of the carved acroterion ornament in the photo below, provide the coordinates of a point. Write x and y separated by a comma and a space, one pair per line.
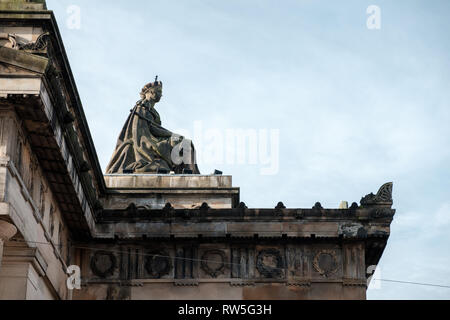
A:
383, 196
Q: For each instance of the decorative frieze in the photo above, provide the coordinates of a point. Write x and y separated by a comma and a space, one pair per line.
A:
243, 264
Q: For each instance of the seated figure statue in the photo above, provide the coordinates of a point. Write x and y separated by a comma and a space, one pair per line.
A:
144, 146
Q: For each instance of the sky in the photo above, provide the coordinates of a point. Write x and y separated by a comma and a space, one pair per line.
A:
341, 108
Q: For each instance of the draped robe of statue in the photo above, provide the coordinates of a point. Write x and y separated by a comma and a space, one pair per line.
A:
144, 146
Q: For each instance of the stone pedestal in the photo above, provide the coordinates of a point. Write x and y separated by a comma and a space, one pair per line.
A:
181, 191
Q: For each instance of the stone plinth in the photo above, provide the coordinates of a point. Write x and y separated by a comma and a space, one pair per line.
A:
181, 191
156, 181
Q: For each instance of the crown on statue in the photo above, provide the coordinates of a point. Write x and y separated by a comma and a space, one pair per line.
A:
151, 86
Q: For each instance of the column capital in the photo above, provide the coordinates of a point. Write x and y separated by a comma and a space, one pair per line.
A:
7, 230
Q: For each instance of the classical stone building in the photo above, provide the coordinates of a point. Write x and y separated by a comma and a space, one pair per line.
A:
147, 236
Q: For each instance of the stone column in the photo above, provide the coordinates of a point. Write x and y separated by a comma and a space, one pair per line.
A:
7, 231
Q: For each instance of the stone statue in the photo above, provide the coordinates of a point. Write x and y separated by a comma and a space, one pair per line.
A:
144, 146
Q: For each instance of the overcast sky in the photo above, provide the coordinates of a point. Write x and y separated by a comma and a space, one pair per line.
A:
354, 107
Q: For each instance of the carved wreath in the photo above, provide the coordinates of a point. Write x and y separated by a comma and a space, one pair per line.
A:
324, 271
213, 267
103, 264
158, 264
266, 270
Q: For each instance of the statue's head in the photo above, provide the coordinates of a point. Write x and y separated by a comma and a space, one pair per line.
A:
152, 91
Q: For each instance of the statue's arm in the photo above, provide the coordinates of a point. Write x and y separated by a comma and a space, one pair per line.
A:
154, 123
159, 131
155, 126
